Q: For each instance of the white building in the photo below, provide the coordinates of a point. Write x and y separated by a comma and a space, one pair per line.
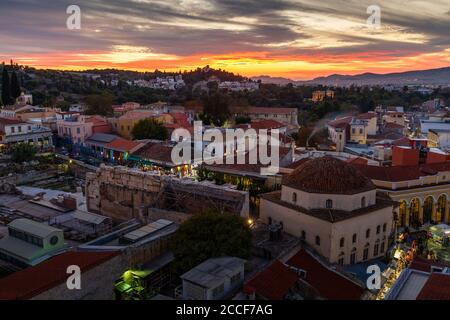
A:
427, 125
334, 208
395, 117
213, 279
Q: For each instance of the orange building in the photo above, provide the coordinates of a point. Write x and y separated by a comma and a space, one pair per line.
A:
405, 156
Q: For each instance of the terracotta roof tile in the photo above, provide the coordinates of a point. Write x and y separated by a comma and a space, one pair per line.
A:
34, 280
437, 287
328, 175
340, 123
155, 151
273, 283
271, 110
328, 283
7, 121
393, 125
401, 173
266, 124
122, 145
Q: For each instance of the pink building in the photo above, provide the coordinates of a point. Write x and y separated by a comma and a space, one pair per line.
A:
79, 128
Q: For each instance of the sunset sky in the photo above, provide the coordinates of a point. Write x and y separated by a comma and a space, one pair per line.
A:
299, 39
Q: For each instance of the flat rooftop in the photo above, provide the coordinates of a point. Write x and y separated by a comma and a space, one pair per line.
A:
211, 273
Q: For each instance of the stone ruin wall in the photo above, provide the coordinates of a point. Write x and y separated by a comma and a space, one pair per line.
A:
122, 194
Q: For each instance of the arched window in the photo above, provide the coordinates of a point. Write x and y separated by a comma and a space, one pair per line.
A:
294, 197
368, 233
363, 202
366, 252
341, 242
329, 204
384, 227
354, 238
378, 229
376, 248
318, 240
303, 235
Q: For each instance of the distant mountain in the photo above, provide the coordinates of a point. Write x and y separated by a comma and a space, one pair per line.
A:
273, 80
439, 76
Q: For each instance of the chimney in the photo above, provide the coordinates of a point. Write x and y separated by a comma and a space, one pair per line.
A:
69, 202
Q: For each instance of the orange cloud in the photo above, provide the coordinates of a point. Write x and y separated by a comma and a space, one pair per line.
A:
294, 66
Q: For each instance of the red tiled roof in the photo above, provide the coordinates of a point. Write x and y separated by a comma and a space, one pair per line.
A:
357, 160
120, 144
401, 173
393, 125
246, 167
271, 110
340, 123
297, 163
328, 283
266, 124
157, 152
180, 119
273, 283
34, 280
328, 175
173, 126
424, 265
402, 142
367, 115
437, 287
7, 121
96, 121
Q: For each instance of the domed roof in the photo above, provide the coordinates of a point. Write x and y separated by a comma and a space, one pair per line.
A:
328, 175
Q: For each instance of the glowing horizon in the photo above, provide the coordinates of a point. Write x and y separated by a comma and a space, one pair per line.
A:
299, 39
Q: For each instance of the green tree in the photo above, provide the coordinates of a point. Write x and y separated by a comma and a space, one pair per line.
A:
6, 88
208, 235
100, 104
242, 120
204, 174
22, 152
216, 107
15, 86
149, 129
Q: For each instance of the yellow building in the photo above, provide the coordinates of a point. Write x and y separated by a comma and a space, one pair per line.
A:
124, 125
321, 95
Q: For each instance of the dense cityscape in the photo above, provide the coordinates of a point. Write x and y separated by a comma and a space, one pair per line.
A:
207, 183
